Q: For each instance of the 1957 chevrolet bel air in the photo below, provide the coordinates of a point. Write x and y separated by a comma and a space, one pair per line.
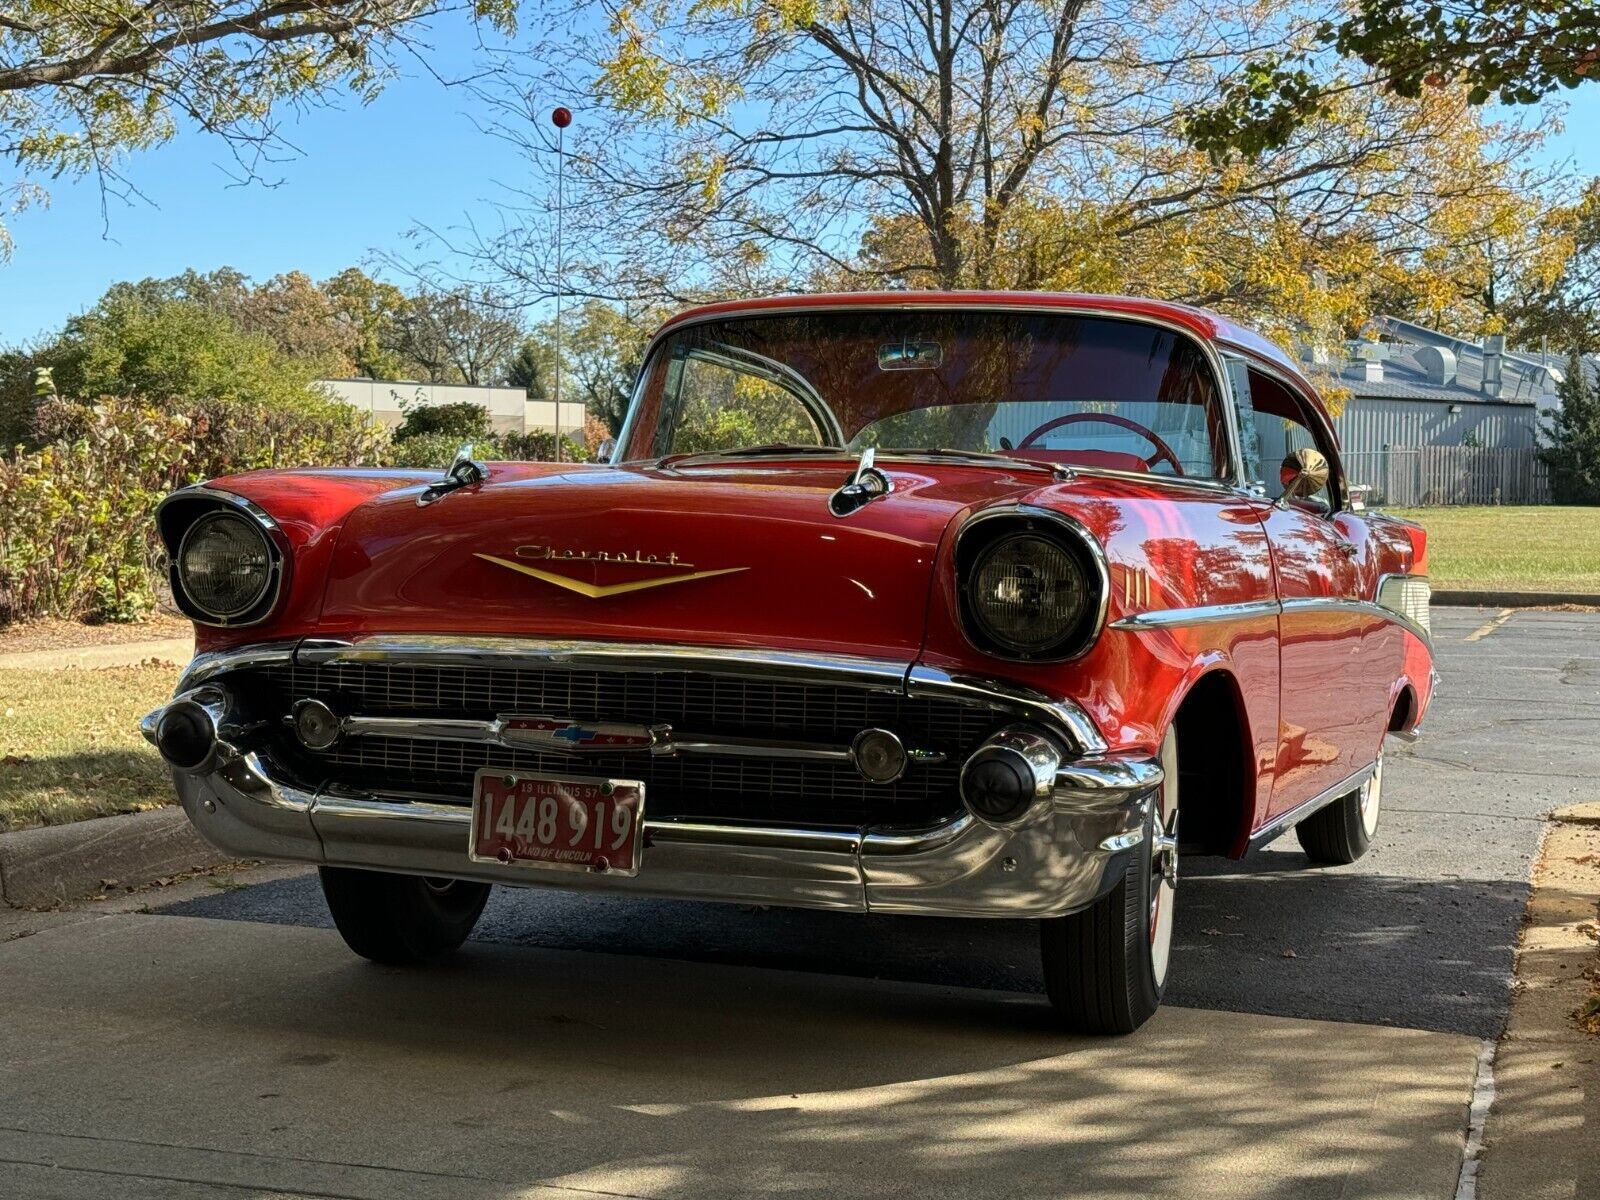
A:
940, 603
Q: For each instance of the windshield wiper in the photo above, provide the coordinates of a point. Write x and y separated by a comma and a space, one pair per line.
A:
769, 449
1060, 470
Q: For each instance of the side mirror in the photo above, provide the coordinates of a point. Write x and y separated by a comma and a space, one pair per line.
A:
1303, 473
605, 450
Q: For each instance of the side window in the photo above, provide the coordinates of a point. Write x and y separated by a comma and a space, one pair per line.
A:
1239, 375
723, 407
1272, 425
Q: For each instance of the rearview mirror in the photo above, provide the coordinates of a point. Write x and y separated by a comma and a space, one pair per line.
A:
605, 450
1304, 473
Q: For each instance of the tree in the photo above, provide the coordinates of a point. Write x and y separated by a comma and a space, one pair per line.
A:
1563, 309
1509, 51
140, 342
1573, 433
458, 336
301, 319
367, 310
82, 84
731, 144
527, 368
602, 351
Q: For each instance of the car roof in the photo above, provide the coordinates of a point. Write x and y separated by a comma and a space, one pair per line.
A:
1201, 322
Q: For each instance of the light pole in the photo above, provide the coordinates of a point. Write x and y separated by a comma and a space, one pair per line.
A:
560, 117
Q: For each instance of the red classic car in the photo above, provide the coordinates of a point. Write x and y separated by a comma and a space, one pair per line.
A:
905, 603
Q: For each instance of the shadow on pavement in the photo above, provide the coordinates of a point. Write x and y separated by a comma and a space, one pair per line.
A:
263, 1055
1266, 936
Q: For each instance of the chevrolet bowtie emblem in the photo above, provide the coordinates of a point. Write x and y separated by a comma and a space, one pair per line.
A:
603, 591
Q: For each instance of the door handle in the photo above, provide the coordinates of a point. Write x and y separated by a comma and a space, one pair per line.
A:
1349, 549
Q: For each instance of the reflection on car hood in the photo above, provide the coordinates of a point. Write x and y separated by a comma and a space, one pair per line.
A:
721, 553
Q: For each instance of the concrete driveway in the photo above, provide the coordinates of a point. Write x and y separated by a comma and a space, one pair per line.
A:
1321, 1039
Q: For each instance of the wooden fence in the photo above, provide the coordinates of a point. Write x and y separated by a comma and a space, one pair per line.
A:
1413, 476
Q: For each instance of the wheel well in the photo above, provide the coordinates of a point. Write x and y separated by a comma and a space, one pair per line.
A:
1214, 757
1405, 708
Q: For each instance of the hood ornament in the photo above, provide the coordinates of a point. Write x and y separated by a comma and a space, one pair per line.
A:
863, 487
463, 472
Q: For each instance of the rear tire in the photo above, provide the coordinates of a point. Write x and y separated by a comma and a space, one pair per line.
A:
1105, 968
1340, 833
401, 920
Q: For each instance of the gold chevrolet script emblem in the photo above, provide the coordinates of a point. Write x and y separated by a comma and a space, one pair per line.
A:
602, 591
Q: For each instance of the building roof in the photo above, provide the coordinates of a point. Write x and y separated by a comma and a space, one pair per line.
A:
1524, 379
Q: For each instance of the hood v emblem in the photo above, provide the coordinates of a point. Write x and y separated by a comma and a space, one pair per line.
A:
597, 591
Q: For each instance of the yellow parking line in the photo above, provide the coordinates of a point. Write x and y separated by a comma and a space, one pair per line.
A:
1490, 626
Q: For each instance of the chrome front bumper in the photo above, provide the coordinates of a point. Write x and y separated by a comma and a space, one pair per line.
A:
1068, 849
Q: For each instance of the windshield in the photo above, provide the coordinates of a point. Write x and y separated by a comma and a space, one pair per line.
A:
1086, 391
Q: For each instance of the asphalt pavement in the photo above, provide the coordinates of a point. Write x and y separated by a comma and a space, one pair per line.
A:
1321, 1041
1419, 933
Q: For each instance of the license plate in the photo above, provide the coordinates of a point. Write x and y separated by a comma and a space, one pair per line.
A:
557, 824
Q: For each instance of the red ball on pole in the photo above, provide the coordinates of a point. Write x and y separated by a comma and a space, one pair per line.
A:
561, 118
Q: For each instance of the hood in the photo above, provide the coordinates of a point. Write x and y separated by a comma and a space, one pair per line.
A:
725, 554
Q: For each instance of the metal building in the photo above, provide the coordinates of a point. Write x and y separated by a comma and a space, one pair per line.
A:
1435, 419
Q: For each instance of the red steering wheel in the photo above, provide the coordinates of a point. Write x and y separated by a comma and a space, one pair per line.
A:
1163, 451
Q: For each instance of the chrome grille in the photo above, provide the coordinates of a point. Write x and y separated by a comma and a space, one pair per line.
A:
726, 787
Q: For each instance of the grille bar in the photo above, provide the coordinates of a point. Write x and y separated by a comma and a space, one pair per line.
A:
712, 786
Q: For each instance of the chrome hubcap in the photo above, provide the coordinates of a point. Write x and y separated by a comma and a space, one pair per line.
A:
1372, 799
1164, 863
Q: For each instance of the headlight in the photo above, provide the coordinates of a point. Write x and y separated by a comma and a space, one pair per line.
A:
225, 566
1036, 590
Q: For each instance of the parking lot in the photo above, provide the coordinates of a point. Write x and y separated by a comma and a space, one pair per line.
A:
1321, 1037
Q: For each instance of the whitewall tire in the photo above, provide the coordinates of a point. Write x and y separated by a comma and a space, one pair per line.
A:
1106, 968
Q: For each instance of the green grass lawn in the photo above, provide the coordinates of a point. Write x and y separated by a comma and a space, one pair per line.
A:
1524, 549
70, 745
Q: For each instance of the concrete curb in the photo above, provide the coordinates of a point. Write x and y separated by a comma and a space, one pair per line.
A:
40, 868
1448, 598
1542, 1128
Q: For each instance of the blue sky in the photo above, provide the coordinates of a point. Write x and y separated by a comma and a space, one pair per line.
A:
364, 175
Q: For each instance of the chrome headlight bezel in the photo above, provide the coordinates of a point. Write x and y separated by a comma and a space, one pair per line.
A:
187, 513
986, 534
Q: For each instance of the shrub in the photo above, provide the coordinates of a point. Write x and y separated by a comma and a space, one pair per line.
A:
77, 539
76, 535
75, 526
437, 450
465, 422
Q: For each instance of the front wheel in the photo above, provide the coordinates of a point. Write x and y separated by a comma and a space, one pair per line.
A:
1341, 832
401, 920
1105, 968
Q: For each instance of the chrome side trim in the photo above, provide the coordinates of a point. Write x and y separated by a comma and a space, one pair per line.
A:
1204, 614
1333, 604
1287, 820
